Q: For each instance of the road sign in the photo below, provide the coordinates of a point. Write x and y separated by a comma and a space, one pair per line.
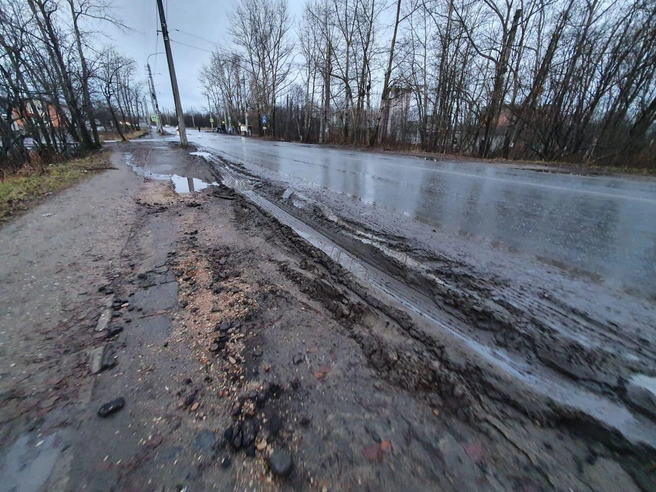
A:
211, 120
153, 118
264, 119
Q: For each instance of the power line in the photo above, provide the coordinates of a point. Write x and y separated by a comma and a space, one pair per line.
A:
197, 37
190, 46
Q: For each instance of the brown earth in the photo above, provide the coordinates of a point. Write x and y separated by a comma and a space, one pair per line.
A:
232, 340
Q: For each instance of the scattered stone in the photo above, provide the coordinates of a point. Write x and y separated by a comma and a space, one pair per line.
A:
242, 435
189, 400
111, 407
104, 319
223, 327
232, 360
298, 358
236, 409
195, 406
214, 347
258, 352
114, 330
102, 358
280, 463
127, 320
261, 446
305, 420
295, 383
184, 304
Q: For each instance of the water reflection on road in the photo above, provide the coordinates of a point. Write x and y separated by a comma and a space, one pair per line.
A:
600, 225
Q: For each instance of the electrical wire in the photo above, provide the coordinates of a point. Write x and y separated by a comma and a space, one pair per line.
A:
190, 46
197, 37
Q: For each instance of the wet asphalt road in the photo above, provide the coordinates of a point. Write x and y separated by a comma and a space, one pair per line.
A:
601, 227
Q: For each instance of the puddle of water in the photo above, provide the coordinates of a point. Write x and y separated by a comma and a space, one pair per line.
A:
182, 184
189, 185
28, 465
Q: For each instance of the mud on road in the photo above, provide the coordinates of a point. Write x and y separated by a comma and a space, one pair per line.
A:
530, 345
251, 355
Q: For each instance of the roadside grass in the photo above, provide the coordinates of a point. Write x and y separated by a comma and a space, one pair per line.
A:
18, 192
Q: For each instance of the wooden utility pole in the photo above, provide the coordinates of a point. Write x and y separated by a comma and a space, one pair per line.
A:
153, 99
174, 80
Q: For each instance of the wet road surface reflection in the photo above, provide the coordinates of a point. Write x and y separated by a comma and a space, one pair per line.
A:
600, 227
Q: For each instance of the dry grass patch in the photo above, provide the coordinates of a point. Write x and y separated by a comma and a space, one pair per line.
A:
19, 191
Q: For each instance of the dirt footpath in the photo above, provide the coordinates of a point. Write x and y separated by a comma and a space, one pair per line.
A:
237, 357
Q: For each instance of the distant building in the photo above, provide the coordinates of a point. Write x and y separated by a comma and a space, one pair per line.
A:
38, 109
398, 106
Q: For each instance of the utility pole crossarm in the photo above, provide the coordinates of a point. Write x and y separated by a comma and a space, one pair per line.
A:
174, 80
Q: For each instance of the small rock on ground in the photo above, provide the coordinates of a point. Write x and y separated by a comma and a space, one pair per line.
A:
280, 463
111, 407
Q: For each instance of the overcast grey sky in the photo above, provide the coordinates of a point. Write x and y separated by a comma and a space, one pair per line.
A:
200, 24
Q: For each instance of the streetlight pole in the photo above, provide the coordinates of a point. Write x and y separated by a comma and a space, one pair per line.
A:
174, 80
153, 94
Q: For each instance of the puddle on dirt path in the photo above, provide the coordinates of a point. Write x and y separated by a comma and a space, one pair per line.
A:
28, 465
182, 184
189, 185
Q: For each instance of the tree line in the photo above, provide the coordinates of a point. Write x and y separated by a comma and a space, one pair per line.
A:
57, 86
518, 79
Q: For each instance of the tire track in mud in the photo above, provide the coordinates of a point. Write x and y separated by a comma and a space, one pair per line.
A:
506, 371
